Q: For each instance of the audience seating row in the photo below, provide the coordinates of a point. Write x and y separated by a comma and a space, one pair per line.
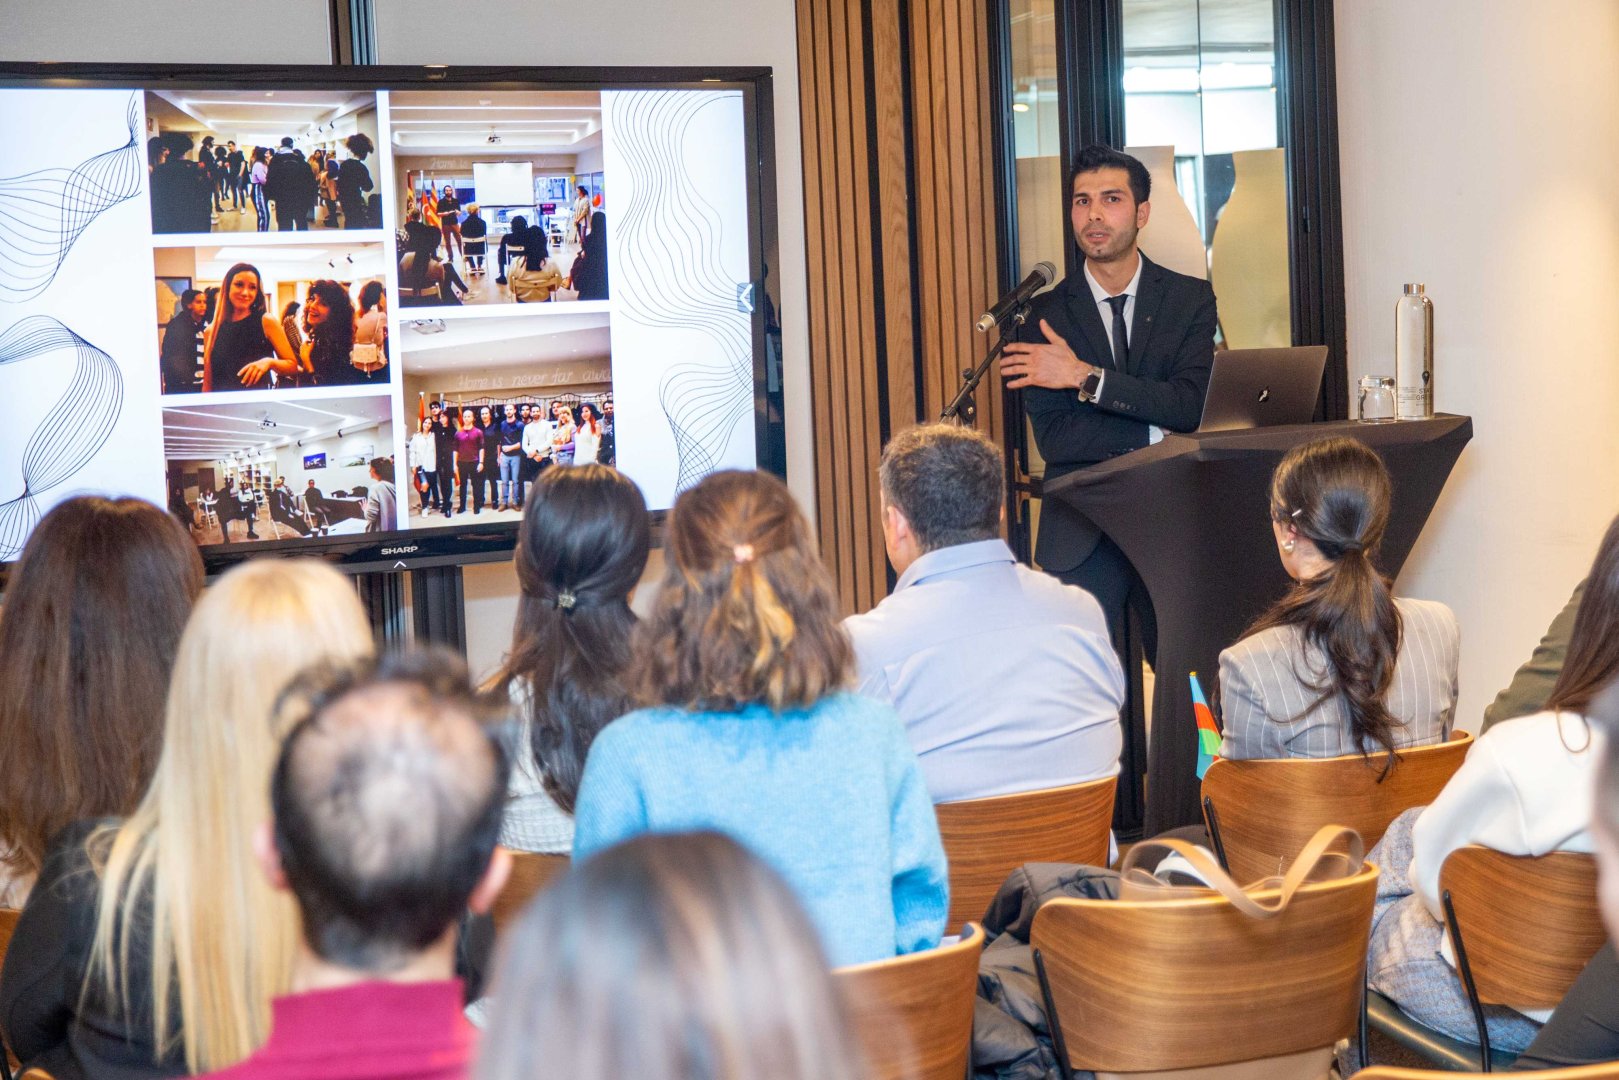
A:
1206, 983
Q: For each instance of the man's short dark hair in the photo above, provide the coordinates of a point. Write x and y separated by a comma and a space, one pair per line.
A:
948, 481
1096, 156
188, 297
286, 140
387, 797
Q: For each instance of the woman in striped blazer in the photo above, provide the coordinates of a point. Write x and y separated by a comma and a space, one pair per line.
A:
1338, 665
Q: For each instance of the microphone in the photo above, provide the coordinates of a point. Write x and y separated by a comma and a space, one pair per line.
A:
1042, 275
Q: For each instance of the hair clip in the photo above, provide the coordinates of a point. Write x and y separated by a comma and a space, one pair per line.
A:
742, 553
1297, 512
566, 601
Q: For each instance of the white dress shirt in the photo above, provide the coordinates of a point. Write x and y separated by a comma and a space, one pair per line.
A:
1105, 309
537, 437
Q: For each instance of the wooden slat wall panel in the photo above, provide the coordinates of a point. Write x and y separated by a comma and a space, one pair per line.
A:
872, 200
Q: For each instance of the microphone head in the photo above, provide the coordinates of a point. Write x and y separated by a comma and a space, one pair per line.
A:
985, 322
1047, 272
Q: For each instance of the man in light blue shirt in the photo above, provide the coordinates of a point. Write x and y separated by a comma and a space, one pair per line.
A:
1005, 678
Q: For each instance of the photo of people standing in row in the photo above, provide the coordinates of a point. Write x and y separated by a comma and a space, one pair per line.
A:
282, 327
215, 169
463, 452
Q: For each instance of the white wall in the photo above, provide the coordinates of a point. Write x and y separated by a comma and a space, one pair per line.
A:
1480, 155
164, 32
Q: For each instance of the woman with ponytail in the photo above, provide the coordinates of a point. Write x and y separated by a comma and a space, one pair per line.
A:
1338, 665
750, 729
581, 550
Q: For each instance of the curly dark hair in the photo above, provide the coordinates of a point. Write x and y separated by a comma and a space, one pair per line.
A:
332, 339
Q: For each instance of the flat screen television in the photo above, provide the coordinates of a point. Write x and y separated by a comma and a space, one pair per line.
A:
244, 292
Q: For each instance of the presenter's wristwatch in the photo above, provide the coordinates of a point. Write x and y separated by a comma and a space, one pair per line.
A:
1092, 383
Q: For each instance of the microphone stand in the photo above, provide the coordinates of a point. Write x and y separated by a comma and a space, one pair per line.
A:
962, 407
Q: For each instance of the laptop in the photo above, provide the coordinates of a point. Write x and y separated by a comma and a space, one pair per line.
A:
1251, 388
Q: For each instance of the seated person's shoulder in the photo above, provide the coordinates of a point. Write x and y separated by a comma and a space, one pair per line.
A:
1432, 611
69, 871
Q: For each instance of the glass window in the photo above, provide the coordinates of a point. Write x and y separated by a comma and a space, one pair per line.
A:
1200, 108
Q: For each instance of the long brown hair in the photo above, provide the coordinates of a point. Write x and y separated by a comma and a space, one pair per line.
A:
1336, 493
1592, 661
746, 613
668, 957
580, 552
91, 623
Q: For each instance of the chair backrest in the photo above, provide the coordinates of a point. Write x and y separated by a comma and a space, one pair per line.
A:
986, 839
8, 926
1269, 809
1529, 924
1179, 984
1608, 1070
914, 1013
530, 874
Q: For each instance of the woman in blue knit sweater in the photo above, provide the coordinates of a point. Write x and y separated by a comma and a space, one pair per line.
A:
752, 732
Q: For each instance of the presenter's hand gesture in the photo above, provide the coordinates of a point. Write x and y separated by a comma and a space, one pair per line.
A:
1052, 365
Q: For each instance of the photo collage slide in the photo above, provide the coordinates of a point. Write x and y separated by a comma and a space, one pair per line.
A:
375, 310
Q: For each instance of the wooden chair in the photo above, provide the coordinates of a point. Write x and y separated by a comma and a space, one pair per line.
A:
1606, 1071
8, 926
986, 839
1522, 929
530, 874
914, 1014
1149, 989
1261, 813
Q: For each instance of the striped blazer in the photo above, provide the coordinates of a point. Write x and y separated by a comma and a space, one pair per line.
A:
1266, 695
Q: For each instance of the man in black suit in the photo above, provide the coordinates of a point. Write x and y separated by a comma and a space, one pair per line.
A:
1091, 396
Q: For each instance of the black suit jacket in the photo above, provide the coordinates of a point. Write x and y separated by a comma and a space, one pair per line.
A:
1165, 378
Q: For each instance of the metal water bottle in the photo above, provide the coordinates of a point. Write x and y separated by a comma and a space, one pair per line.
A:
1413, 355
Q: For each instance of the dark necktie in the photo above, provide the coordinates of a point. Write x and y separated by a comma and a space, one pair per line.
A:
1121, 340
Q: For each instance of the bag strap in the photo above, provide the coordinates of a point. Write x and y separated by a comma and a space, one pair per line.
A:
1298, 873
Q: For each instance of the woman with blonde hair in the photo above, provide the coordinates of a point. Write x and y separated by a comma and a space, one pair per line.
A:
752, 731
159, 945
671, 957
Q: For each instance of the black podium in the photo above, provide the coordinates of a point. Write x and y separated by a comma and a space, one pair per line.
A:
1193, 514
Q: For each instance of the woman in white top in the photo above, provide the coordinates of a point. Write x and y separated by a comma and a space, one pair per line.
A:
581, 550
587, 438
422, 454
1525, 789
1338, 665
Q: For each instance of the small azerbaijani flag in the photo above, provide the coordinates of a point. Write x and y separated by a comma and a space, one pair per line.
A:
1208, 736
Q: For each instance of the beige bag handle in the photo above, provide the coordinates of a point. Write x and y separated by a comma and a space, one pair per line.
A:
1142, 885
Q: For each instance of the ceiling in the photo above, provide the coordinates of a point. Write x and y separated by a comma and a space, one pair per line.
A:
210, 432
1167, 33
254, 117
530, 341
279, 263
425, 122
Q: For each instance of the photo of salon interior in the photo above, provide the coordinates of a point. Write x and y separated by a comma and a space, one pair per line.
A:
492, 173
276, 469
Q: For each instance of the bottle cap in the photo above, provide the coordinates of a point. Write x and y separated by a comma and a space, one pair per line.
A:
1414, 289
